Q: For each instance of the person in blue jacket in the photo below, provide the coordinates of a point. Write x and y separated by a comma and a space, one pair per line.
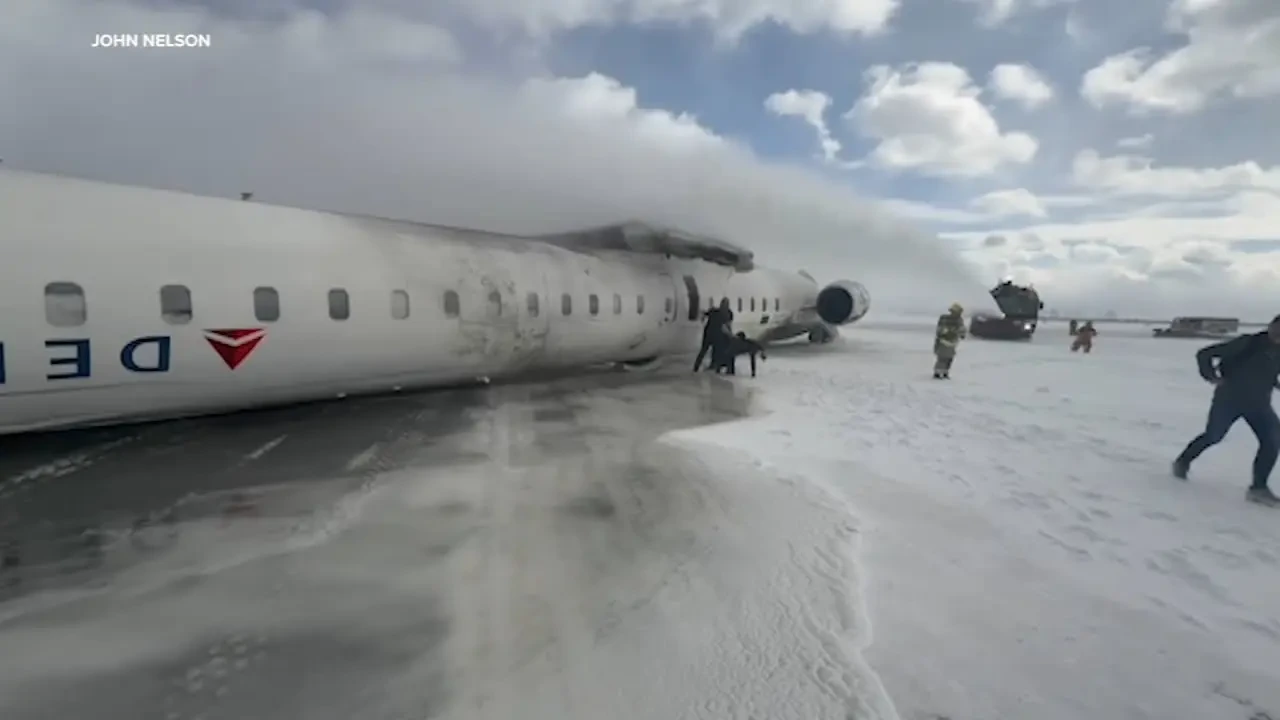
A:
1244, 371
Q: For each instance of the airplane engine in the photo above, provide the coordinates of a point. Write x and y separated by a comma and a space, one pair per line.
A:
843, 302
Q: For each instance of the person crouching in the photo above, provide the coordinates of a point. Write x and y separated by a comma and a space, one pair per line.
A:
734, 346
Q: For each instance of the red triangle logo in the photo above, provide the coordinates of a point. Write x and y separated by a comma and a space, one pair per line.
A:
235, 345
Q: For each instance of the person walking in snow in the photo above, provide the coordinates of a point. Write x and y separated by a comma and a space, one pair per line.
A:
946, 337
1244, 375
1084, 337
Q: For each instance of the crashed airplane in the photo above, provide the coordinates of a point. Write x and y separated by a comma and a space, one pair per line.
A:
125, 304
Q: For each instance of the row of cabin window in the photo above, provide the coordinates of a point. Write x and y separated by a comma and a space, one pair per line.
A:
65, 304
764, 304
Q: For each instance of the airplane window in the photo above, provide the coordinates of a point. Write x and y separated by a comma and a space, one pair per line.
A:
566, 304
266, 304
593, 304
711, 303
753, 304
739, 304
495, 303
639, 304
64, 304
175, 304
399, 304
764, 304
451, 304
617, 304
667, 306
532, 302
777, 304
339, 304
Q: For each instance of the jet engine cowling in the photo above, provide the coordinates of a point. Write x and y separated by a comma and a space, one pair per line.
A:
843, 302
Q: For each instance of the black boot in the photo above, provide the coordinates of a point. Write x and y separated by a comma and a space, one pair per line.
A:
1262, 496
1180, 468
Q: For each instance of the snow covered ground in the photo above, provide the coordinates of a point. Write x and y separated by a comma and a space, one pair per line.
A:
1007, 545
1026, 553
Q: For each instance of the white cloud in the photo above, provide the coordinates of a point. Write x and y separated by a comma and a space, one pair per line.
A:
1159, 259
1010, 202
1136, 175
1076, 29
1136, 142
993, 13
928, 117
282, 108
1020, 83
729, 18
598, 99
811, 106
1141, 237
1232, 50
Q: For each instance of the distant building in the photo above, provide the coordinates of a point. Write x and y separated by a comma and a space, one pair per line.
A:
1111, 315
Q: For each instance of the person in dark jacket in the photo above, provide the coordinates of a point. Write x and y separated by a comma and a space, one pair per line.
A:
1245, 374
727, 356
716, 324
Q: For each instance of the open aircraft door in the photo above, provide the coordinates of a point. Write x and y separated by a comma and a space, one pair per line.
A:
679, 305
670, 299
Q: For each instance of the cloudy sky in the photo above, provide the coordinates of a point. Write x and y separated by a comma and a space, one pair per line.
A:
1118, 154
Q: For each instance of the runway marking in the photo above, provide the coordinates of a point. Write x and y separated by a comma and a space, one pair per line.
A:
364, 458
257, 454
61, 466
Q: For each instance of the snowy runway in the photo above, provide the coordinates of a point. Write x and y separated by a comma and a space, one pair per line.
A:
528, 552
663, 546
1028, 554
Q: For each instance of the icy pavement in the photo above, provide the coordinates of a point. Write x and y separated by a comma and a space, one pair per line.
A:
1027, 555
645, 547
516, 552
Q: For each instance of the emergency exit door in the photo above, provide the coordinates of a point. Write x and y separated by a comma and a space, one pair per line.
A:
695, 298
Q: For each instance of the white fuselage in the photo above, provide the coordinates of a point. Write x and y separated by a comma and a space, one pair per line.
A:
117, 302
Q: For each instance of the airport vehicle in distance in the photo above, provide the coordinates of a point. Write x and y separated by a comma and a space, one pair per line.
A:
1020, 307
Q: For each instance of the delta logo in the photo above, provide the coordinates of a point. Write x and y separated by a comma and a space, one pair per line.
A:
235, 345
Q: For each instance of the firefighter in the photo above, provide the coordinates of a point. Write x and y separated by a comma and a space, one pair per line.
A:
948, 335
1084, 337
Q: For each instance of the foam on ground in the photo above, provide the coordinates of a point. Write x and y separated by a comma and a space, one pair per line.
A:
1028, 554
